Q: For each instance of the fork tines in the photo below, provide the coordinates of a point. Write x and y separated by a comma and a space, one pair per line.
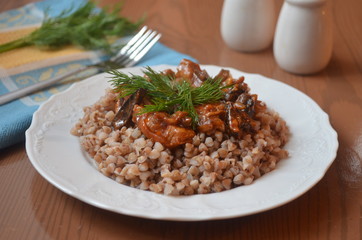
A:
137, 47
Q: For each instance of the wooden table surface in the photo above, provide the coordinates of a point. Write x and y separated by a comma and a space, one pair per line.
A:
31, 208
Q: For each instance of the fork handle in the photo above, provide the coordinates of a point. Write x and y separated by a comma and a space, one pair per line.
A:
10, 96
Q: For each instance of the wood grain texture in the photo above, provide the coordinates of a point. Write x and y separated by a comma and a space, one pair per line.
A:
31, 208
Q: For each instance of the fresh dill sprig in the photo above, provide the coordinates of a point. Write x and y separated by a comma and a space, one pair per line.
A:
166, 94
87, 27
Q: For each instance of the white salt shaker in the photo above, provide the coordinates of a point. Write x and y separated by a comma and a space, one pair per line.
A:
248, 25
303, 38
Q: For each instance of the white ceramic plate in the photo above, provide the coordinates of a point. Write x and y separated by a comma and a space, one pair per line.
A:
58, 157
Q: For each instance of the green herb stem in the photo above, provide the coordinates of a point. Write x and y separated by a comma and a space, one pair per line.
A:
22, 42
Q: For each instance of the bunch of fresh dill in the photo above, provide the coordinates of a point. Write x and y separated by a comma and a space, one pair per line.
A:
87, 27
166, 94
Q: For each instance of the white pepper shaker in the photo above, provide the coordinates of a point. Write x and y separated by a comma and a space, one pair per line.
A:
304, 38
248, 25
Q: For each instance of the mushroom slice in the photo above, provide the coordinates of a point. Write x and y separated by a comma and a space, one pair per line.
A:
124, 114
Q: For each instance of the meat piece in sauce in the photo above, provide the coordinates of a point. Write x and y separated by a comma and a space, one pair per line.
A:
240, 114
211, 118
170, 73
238, 85
169, 130
238, 121
246, 103
192, 72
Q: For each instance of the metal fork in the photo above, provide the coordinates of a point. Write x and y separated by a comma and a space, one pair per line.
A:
128, 56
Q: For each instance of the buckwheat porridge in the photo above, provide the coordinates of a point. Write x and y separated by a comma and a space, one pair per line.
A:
182, 132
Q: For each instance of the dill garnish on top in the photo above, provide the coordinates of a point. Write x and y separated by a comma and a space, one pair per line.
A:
166, 94
87, 27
